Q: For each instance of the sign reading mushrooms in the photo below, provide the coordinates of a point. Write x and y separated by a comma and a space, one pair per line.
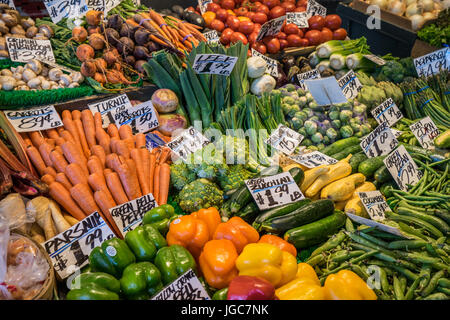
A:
24, 49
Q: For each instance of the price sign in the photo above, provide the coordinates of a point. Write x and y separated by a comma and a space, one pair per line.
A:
298, 18
118, 104
98, 5
313, 159
284, 139
315, 9
9, 3
376, 59
375, 224
186, 287
374, 203
70, 249
396, 133
24, 49
214, 64
350, 85
425, 131
203, 5
59, 9
433, 62
312, 74
271, 28
274, 191
142, 117
325, 91
128, 216
272, 65
212, 36
110, 4
35, 119
189, 141
387, 112
152, 140
379, 142
402, 168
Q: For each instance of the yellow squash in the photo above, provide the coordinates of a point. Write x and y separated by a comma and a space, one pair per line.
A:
354, 205
342, 189
312, 175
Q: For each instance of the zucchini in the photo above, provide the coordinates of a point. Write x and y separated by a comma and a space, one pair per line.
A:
356, 159
317, 231
369, 166
443, 140
306, 214
249, 212
340, 145
349, 150
279, 211
382, 174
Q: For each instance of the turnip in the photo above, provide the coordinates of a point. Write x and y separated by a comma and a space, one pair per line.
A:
88, 68
85, 52
97, 41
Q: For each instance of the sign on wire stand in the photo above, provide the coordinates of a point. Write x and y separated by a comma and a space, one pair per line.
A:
374, 203
284, 139
97, 5
387, 112
313, 159
60, 9
24, 49
375, 224
300, 19
189, 141
186, 287
425, 131
325, 91
379, 142
402, 168
212, 36
375, 59
116, 104
35, 119
271, 28
315, 9
203, 5
219, 64
308, 75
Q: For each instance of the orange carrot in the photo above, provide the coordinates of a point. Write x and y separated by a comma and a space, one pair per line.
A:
129, 142
98, 151
83, 141
82, 195
72, 128
98, 122
129, 181
164, 156
95, 166
138, 161
97, 159
111, 159
50, 171
105, 203
89, 127
59, 129
75, 174
103, 139
62, 196
73, 156
113, 131
27, 142
48, 179
152, 163
44, 150
107, 171
62, 178
66, 114
36, 138
36, 159
76, 114
156, 185
125, 132
164, 180
116, 188
59, 149
52, 133
112, 144
140, 141
145, 157
51, 142
122, 149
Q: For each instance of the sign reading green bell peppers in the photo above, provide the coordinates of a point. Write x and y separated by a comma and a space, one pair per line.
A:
185, 287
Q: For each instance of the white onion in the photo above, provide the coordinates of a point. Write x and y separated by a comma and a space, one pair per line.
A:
427, 5
380, 3
413, 9
397, 7
417, 21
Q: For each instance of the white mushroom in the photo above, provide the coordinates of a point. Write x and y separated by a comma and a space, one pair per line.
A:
44, 71
34, 83
8, 83
77, 77
54, 87
35, 65
41, 78
7, 72
20, 83
28, 74
65, 80
19, 69
17, 75
53, 83
46, 85
74, 85
54, 74
23, 87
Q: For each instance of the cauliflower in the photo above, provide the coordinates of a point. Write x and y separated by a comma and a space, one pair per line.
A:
234, 178
180, 175
200, 194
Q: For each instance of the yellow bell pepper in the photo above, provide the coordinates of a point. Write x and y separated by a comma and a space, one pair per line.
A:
347, 285
267, 261
305, 286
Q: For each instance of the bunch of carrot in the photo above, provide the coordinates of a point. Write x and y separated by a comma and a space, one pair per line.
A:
92, 169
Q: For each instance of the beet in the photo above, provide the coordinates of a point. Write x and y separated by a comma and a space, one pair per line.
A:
131, 60
115, 21
127, 31
141, 36
153, 46
139, 66
125, 46
112, 36
141, 53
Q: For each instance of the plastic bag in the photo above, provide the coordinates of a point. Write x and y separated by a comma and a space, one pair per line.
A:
4, 239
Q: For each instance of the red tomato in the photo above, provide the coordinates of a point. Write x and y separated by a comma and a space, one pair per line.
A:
294, 40
246, 27
260, 47
281, 35
217, 25
217, 1
242, 11
252, 37
276, 12
266, 39
273, 45
233, 22
300, 9
228, 4
212, 7
264, 9
314, 37
257, 28
292, 1
260, 18
271, 3
339, 34
316, 22
300, 33
250, 15
283, 44
256, 4
333, 21
289, 6
304, 42
249, 53
237, 36
226, 36
327, 34
291, 28
222, 15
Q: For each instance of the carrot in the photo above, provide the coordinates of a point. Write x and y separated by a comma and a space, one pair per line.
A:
97, 182
52, 133
145, 158
36, 159
107, 171
75, 174
105, 203
129, 142
62, 178
98, 151
44, 150
96, 158
72, 128
59, 149
59, 129
89, 127
95, 166
125, 132
138, 161
122, 149
73, 156
131, 22
62, 196
112, 144
98, 122
83, 141
51, 142
152, 166
66, 114
60, 140
82, 195
164, 180
47, 179
103, 139
163, 137
27, 142
116, 188
113, 131
156, 185
164, 156
129, 181
76, 115
50, 171
139, 140
37, 138
24, 135
111, 159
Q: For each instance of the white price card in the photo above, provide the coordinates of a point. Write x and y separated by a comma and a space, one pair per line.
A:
189, 141
396, 133
387, 112
313, 159
142, 117
203, 5
271, 28
55, 65
24, 49
97, 5
300, 19
379, 142
60, 9
433, 62
402, 168
274, 191
315, 9
117, 103
186, 287
128, 215
284, 139
350, 85
69, 250
110, 4
212, 36
214, 64
376, 59
308, 75
325, 91
272, 64
34, 119
375, 224
9, 3
374, 203
425, 131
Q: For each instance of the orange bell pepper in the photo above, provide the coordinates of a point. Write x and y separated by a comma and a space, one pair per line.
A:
238, 231
218, 263
212, 218
279, 242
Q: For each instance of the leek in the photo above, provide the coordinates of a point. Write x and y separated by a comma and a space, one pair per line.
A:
325, 50
323, 65
313, 59
337, 61
358, 61
339, 74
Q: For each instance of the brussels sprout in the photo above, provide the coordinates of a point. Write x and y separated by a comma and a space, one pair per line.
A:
290, 87
302, 131
317, 138
331, 133
334, 115
308, 111
336, 124
320, 146
356, 127
313, 105
306, 143
326, 123
313, 148
293, 110
285, 107
297, 123
359, 134
359, 110
288, 100
314, 118
333, 108
301, 92
326, 140
345, 115
346, 106
321, 128
302, 101
275, 91
302, 115
309, 97
346, 131
365, 129
311, 127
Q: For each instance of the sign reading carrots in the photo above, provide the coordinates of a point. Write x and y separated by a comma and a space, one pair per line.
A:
36, 119
142, 118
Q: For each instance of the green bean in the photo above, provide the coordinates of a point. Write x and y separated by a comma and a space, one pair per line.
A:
411, 231
443, 290
349, 263
398, 293
418, 185
366, 242
418, 258
349, 225
426, 273
403, 283
410, 293
407, 244
316, 260
407, 273
359, 271
437, 296
379, 242
423, 224
433, 283
332, 243
343, 255
383, 280
444, 282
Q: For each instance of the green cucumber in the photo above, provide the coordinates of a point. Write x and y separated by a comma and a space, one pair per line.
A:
443, 140
306, 214
349, 150
317, 231
279, 211
382, 174
249, 212
435, 221
356, 159
369, 166
340, 145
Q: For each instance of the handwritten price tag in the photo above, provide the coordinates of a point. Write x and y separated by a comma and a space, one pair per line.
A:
203, 5
274, 191
118, 104
186, 287
387, 112
272, 65
284, 139
142, 118
402, 168
35, 119
425, 131
315, 9
313, 159
189, 141
212, 36
298, 18
374, 203
271, 28
325, 91
60, 9
379, 142
24, 49
69, 250
350, 84
98, 5
214, 64
433, 62
376, 59
313, 74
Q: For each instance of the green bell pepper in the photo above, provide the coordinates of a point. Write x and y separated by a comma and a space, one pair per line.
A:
220, 294
160, 217
94, 286
140, 281
173, 261
112, 257
145, 241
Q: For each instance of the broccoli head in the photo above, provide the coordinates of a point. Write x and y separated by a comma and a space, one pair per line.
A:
207, 163
180, 175
200, 194
394, 71
234, 178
